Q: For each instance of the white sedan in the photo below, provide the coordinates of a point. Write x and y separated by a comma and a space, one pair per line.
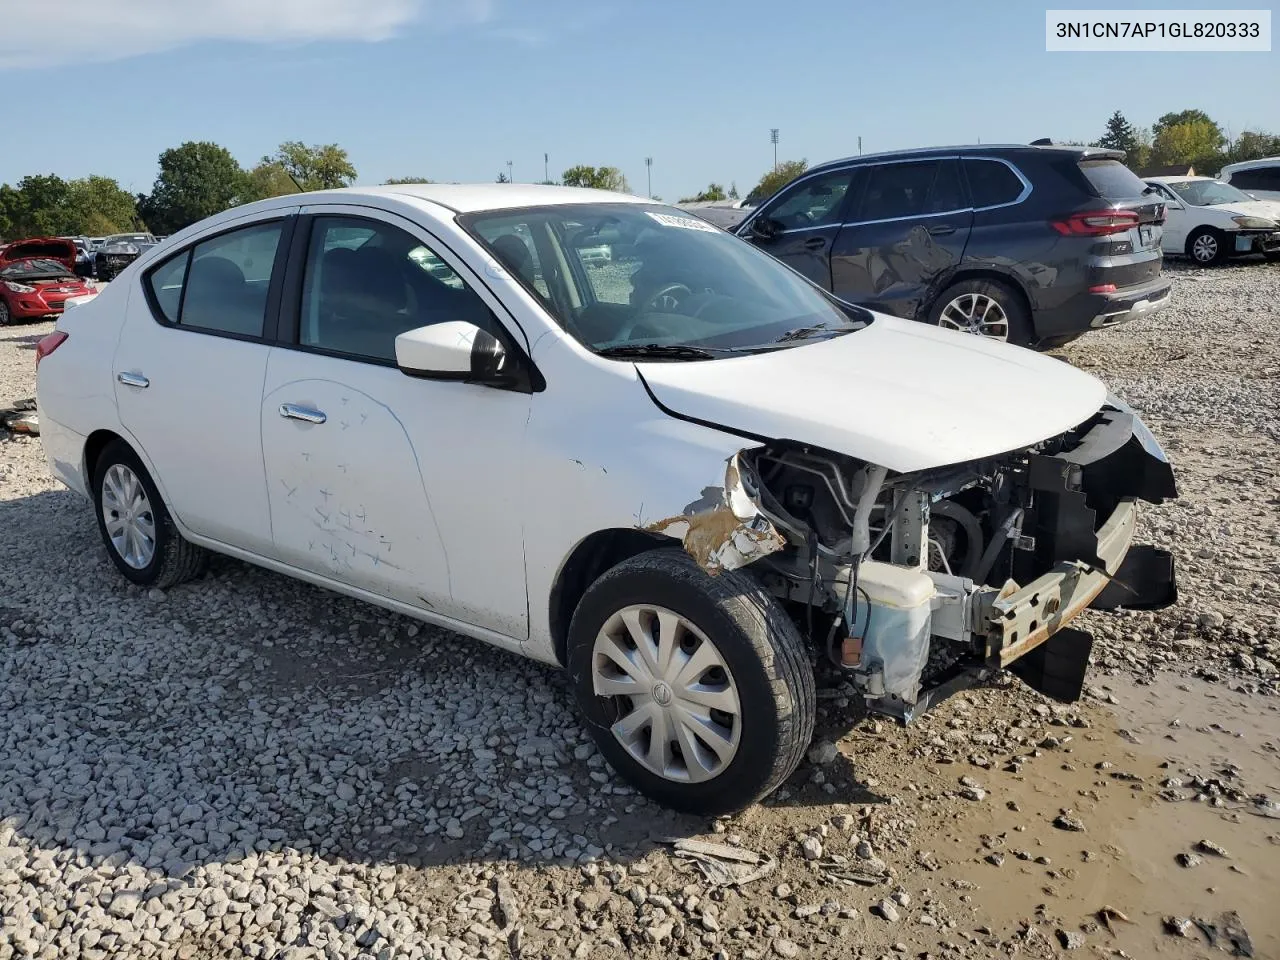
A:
1209, 220
682, 471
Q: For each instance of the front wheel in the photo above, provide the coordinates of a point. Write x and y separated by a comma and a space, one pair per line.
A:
1206, 247
697, 689
5, 316
987, 308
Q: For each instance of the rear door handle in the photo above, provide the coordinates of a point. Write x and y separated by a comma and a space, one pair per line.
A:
942, 229
133, 380
815, 243
306, 414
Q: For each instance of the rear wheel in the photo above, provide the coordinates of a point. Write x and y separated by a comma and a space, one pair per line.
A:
1206, 246
139, 534
697, 689
987, 308
5, 316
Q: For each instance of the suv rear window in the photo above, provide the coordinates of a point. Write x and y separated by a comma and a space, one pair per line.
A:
1112, 180
1257, 178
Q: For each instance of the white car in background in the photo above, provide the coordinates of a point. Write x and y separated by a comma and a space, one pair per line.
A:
685, 482
1258, 178
1209, 220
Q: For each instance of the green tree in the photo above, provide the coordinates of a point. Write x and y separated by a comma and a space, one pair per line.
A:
98, 205
714, 191
267, 180
1186, 116
733, 190
196, 180
1120, 135
392, 181
1253, 145
601, 178
776, 178
501, 178
37, 207
316, 167
1195, 143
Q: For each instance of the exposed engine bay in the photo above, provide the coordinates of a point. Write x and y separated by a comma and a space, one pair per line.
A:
918, 585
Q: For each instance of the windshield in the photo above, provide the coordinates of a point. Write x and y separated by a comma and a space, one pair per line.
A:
630, 276
1206, 193
35, 270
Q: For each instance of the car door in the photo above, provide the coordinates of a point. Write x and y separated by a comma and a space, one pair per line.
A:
798, 226
189, 368
404, 487
1177, 220
905, 235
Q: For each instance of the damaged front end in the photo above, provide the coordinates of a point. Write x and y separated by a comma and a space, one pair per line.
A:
921, 584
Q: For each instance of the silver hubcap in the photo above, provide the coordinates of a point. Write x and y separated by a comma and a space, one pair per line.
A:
126, 511
1205, 248
976, 313
679, 714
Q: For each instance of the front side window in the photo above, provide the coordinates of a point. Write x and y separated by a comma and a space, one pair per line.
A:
623, 275
367, 282
813, 203
1257, 178
221, 284
991, 183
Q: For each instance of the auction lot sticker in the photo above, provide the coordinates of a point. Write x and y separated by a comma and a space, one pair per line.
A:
1158, 31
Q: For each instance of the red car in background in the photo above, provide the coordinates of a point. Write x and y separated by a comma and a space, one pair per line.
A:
45, 248
37, 289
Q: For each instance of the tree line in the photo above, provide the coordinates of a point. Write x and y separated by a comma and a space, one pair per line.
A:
1185, 138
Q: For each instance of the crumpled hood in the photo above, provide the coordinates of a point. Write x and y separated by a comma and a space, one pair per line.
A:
899, 394
1251, 208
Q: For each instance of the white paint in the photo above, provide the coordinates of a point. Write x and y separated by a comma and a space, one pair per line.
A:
901, 394
439, 348
461, 503
1182, 219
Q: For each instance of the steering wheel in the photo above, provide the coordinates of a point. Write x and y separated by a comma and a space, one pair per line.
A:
667, 298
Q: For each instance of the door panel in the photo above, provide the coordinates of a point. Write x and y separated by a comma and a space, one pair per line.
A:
808, 216
908, 234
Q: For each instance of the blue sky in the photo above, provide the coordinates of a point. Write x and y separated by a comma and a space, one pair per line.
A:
452, 89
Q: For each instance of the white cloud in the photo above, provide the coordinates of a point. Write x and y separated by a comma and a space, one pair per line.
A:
33, 35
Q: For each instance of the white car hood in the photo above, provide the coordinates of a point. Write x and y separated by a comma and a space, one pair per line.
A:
1247, 208
899, 394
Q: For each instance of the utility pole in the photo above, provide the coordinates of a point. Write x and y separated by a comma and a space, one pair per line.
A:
773, 138
648, 172
546, 166
509, 175
859, 146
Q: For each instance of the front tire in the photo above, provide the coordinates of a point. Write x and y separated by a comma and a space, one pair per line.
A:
5, 316
697, 689
986, 308
139, 534
1206, 247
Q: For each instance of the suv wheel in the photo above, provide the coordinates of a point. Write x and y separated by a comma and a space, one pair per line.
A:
697, 689
139, 534
1206, 247
987, 308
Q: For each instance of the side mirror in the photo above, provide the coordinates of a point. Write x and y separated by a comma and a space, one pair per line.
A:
765, 228
456, 350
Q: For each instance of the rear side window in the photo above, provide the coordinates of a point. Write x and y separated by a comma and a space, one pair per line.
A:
221, 284
1259, 178
897, 190
991, 183
1111, 179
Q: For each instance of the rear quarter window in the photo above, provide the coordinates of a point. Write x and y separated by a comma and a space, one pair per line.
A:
1111, 179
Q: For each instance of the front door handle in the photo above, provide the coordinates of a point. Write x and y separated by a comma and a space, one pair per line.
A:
815, 243
295, 412
133, 380
942, 229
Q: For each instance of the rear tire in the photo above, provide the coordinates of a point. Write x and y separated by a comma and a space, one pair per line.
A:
5, 316
758, 671
1206, 247
986, 308
139, 534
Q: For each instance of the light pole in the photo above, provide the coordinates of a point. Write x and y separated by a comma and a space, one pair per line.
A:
773, 138
859, 146
546, 167
648, 172
509, 174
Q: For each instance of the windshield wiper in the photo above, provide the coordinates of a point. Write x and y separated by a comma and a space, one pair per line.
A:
661, 351
804, 333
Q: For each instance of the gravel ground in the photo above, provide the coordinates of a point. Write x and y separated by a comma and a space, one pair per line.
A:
246, 765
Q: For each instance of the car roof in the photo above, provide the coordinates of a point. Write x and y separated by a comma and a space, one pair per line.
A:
476, 197
1252, 164
979, 149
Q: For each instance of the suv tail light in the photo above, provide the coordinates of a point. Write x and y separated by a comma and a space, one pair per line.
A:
1096, 223
49, 344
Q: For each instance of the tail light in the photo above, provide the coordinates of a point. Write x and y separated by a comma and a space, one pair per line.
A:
1096, 223
49, 344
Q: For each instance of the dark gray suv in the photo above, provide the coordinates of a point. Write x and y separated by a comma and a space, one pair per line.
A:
1031, 244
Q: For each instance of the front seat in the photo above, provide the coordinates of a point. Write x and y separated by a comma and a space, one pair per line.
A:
515, 256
